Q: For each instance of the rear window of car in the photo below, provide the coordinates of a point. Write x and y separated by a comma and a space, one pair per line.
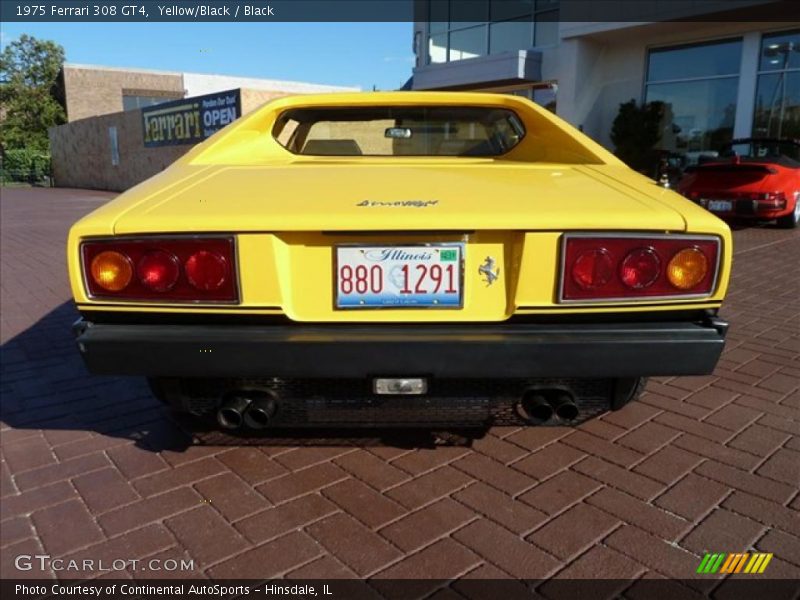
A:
399, 131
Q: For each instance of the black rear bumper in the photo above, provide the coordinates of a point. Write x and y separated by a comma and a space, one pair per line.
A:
447, 351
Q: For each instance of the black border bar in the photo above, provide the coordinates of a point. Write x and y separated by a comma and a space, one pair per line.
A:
604, 11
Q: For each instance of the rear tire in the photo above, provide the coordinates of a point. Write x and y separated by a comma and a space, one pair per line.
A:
791, 220
627, 390
168, 391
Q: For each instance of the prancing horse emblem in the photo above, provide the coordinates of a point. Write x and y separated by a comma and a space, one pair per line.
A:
489, 270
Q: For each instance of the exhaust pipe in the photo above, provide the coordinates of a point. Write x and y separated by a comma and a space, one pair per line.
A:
231, 414
565, 408
534, 408
260, 412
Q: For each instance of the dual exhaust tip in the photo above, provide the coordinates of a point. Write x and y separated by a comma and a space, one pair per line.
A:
253, 409
539, 406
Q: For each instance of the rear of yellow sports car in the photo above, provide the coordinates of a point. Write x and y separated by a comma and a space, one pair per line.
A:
399, 259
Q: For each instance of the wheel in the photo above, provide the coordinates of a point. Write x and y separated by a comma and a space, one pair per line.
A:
168, 391
158, 387
627, 390
791, 220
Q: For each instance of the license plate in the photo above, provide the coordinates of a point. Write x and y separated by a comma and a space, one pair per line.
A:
720, 205
423, 276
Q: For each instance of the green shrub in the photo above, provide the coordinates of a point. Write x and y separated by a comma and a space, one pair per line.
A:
25, 164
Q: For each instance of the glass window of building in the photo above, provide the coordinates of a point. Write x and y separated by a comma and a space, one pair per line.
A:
461, 30
698, 87
131, 102
777, 106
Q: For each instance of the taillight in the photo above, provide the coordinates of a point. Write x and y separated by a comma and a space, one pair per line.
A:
593, 269
111, 270
158, 270
687, 268
640, 268
600, 267
771, 200
206, 270
161, 269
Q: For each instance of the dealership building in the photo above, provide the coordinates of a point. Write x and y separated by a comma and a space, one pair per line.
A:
730, 69
125, 125
721, 74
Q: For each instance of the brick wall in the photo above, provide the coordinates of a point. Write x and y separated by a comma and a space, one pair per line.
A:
81, 149
95, 91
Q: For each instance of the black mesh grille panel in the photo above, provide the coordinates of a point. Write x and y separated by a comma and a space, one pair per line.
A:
352, 403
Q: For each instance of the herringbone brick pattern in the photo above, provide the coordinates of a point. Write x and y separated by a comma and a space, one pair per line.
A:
94, 467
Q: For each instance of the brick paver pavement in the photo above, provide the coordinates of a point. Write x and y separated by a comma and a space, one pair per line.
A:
94, 467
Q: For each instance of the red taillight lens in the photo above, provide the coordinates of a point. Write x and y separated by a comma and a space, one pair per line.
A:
630, 268
593, 269
206, 271
640, 269
158, 270
166, 269
772, 200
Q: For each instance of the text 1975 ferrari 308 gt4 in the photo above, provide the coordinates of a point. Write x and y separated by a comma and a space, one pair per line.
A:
400, 258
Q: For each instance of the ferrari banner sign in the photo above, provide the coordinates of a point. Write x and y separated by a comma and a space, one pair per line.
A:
190, 120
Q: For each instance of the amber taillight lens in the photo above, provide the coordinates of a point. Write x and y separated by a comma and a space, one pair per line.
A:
687, 268
605, 268
112, 271
161, 269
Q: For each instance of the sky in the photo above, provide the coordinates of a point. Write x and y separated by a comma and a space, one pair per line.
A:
351, 54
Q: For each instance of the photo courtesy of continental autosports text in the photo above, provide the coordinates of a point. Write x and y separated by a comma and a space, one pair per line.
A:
400, 299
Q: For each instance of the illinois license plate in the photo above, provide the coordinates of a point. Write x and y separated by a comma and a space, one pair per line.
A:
720, 205
399, 276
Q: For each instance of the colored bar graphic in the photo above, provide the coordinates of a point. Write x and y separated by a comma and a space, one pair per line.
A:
726, 567
703, 563
734, 563
721, 562
741, 562
764, 564
716, 565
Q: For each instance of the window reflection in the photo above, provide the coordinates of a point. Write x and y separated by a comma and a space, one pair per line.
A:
698, 86
508, 9
698, 115
780, 51
460, 30
437, 48
778, 106
546, 29
510, 35
687, 62
777, 110
467, 43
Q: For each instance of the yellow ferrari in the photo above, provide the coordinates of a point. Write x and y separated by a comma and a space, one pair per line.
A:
404, 258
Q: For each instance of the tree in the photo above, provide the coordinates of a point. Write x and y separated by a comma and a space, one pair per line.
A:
28, 93
635, 133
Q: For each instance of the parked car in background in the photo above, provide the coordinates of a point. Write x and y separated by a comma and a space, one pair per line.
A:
409, 258
754, 178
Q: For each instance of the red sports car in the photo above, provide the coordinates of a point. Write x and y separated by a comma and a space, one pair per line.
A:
753, 178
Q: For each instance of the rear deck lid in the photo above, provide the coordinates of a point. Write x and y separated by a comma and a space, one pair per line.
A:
434, 194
